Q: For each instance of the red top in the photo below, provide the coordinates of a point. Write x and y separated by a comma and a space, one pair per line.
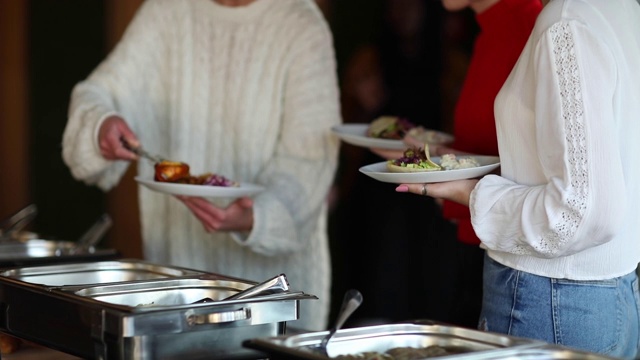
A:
504, 30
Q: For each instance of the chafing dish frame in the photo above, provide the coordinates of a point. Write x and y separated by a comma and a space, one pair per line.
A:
69, 318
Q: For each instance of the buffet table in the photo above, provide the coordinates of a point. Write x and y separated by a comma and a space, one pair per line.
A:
129, 309
30, 352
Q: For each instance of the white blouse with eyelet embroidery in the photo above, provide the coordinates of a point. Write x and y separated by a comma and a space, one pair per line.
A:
568, 122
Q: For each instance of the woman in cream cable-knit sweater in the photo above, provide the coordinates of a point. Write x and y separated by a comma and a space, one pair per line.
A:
248, 91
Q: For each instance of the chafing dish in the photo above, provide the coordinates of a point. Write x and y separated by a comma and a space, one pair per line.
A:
23, 248
462, 343
131, 309
31, 252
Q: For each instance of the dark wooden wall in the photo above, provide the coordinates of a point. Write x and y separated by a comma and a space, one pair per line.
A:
47, 47
122, 202
14, 106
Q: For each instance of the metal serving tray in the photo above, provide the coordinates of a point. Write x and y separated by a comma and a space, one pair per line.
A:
100, 272
137, 310
474, 344
31, 252
35, 248
24, 248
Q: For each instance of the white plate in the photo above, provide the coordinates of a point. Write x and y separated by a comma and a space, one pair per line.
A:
245, 189
356, 134
379, 172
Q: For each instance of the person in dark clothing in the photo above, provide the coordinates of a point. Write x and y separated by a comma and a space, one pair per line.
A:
382, 245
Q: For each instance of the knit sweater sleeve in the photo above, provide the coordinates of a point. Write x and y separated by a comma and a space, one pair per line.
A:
580, 203
123, 84
301, 171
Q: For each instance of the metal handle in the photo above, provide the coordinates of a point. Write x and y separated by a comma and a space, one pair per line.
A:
92, 236
218, 317
141, 152
351, 301
17, 221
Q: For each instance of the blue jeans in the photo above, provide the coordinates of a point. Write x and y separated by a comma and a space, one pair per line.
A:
597, 316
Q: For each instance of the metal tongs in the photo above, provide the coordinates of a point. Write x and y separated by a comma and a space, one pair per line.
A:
275, 285
16, 222
141, 152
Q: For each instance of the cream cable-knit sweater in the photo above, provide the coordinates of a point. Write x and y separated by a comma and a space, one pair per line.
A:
247, 92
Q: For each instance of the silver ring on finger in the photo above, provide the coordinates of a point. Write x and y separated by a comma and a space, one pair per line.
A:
424, 189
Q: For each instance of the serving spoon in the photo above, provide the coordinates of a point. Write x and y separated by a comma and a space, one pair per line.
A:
351, 301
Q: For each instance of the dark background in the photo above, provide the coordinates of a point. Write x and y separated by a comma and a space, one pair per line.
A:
51, 45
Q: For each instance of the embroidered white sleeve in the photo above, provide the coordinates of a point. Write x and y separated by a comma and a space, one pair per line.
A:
572, 113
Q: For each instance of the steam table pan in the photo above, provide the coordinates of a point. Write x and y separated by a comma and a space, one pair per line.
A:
459, 343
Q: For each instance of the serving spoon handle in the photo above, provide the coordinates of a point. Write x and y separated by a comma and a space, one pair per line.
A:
351, 301
141, 152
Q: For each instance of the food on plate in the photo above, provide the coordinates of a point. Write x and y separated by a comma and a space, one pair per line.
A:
451, 162
389, 127
413, 160
423, 135
178, 172
209, 179
170, 171
416, 159
398, 128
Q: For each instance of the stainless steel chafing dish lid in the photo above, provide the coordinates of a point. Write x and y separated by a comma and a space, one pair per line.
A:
100, 272
381, 338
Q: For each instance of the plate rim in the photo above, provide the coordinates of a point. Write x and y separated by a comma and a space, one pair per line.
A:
245, 188
370, 142
377, 175
365, 141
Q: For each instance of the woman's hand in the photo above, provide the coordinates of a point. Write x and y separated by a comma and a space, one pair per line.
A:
238, 216
458, 191
110, 136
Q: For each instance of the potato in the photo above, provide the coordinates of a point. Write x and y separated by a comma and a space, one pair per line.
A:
170, 171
